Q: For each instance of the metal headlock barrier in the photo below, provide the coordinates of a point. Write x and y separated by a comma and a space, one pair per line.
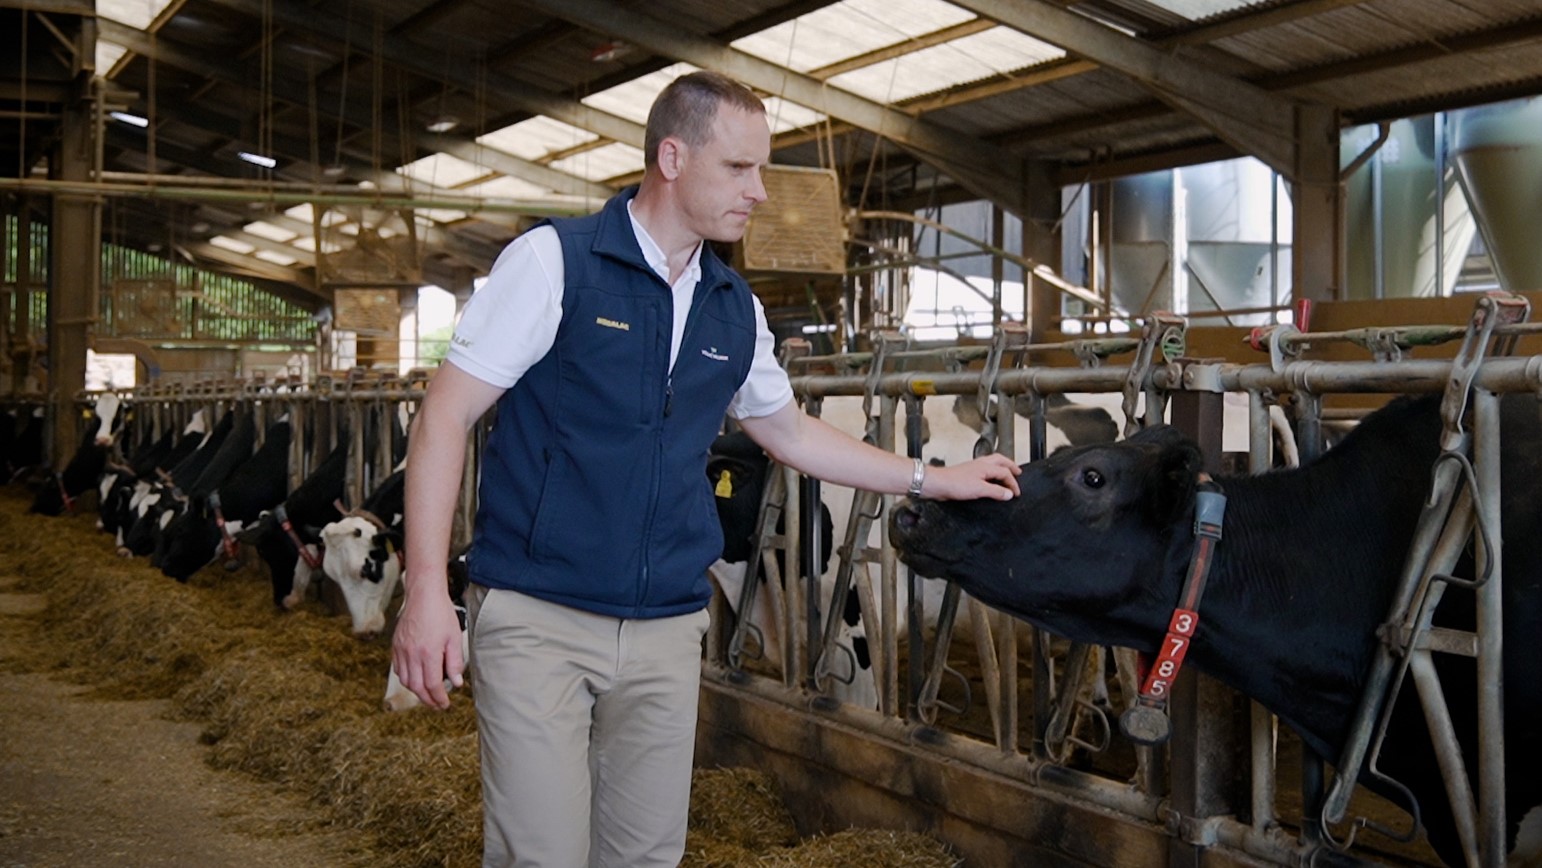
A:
369, 411
1463, 505
999, 381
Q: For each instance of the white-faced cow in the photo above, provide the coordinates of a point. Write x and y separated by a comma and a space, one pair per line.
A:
1097, 547
363, 554
85, 467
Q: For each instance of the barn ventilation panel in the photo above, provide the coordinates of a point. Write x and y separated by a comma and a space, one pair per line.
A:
367, 247
145, 308
799, 227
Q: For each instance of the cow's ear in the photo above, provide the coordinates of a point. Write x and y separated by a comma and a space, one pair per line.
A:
1170, 483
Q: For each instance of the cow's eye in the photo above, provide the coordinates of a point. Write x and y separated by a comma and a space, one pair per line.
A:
357, 532
1092, 478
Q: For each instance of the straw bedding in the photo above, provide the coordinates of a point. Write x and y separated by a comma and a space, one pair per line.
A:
293, 699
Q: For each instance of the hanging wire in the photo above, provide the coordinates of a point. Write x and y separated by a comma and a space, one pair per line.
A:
377, 86
150, 132
342, 97
21, 132
265, 111
313, 117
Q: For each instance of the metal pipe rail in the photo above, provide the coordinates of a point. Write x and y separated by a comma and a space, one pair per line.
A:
1308, 379
1517, 374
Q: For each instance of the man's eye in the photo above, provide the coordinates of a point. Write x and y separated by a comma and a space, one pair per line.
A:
1092, 478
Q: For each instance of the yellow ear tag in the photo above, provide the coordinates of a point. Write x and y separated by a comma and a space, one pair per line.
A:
390, 549
725, 485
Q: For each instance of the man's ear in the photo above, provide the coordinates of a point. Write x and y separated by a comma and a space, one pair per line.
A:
671, 157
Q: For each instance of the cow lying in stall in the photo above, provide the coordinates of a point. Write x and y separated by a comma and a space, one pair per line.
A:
1097, 546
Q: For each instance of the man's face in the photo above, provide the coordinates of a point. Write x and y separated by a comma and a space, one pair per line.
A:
720, 181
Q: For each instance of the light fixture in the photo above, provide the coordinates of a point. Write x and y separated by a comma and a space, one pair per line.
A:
257, 159
131, 120
607, 51
443, 124
199, 228
336, 170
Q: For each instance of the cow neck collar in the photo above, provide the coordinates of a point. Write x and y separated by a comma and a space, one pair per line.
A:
227, 542
306, 554
1146, 720
69, 502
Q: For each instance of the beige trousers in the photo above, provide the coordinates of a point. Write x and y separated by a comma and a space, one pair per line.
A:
588, 730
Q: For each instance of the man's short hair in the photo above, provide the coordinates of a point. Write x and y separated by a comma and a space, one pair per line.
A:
686, 107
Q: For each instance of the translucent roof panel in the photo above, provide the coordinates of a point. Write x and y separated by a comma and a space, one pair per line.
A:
992, 52
438, 215
231, 244
276, 258
607, 161
308, 243
504, 187
633, 99
107, 54
134, 13
536, 137
847, 29
786, 116
305, 214
269, 231
1197, 9
443, 170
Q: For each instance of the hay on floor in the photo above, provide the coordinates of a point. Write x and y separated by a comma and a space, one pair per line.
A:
294, 698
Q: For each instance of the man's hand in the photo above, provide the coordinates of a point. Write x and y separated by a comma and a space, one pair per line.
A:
993, 476
425, 650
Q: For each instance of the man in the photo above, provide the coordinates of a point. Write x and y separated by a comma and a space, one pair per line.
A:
612, 345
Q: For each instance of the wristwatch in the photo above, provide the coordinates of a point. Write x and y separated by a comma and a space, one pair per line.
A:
917, 478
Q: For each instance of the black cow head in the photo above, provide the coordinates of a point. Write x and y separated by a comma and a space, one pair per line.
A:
1110, 510
190, 542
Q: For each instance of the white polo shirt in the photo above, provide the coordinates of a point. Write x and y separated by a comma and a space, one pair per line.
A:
511, 322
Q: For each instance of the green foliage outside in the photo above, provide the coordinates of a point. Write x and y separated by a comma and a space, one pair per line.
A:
433, 344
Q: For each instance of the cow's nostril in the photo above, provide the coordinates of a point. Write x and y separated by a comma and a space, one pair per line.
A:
906, 518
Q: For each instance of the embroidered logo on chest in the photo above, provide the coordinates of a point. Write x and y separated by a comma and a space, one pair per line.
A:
714, 355
613, 324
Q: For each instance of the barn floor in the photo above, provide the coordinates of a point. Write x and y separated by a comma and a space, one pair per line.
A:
99, 782
146, 722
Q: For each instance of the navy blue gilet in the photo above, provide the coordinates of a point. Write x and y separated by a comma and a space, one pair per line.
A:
593, 490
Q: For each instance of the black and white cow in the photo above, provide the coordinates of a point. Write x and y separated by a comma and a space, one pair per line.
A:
119, 483
1097, 546
233, 451
165, 498
85, 467
212, 520
363, 554
736, 468
288, 538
